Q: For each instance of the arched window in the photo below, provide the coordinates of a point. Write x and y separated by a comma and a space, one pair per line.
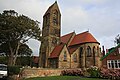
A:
47, 19
55, 17
81, 56
75, 57
65, 56
94, 55
97, 51
81, 52
88, 51
94, 51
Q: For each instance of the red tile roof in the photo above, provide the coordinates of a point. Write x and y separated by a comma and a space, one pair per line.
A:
83, 38
78, 39
66, 38
71, 50
56, 51
110, 52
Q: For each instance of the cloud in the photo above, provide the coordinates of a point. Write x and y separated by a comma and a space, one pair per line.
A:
35, 46
101, 17
73, 18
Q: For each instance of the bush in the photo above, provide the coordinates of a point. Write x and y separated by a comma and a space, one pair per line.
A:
75, 72
94, 71
3, 60
110, 74
13, 70
24, 61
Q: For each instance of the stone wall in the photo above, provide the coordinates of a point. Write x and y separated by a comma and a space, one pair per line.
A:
39, 72
75, 64
62, 63
88, 61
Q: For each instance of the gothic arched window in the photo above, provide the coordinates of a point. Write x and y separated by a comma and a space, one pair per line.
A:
47, 19
97, 51
81, 52
55, 17
65, 56
81, 56
94, 55
89, 51
75, 57
94, 51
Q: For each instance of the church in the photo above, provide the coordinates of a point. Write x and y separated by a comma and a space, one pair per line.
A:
68, 51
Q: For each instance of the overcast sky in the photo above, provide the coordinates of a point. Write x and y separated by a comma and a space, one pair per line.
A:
100, 17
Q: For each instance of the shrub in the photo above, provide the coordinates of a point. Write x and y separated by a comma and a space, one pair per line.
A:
94, 71
13, 70
110, 74
72, 72
24, 61
3, 60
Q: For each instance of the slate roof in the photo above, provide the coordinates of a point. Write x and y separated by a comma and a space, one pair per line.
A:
84, 37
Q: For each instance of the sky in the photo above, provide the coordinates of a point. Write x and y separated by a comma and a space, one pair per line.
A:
100, 17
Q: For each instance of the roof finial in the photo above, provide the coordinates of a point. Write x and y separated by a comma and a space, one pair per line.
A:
55, 1
88, 30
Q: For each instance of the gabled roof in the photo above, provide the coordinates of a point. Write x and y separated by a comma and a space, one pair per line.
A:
65, 39
84, 37
72, 49
49, 9
56, 51
110, 52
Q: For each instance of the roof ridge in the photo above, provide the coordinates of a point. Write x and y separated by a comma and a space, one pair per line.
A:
68, 34
83, 32
75, 48
51, 7
109, 52
84, 37
60, 49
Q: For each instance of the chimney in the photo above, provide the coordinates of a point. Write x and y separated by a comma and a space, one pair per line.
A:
107, 50
103, 52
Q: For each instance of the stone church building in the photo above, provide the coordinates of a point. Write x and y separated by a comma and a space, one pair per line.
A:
68, 51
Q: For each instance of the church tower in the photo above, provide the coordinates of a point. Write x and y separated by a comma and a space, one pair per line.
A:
50, 33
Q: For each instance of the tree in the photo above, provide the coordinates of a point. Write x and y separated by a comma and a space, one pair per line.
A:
23, 57
117, 39
24, 50
16, 29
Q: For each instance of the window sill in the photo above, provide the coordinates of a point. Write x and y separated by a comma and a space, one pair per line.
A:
65, 60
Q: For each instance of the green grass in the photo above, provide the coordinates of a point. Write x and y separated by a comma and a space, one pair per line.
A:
62, 78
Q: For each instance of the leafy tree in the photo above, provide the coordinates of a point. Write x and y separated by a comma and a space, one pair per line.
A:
117, 39
24, 49
4, 48
16, 29
24, 54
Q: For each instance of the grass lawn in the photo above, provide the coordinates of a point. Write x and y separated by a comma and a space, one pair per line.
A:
62, 78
